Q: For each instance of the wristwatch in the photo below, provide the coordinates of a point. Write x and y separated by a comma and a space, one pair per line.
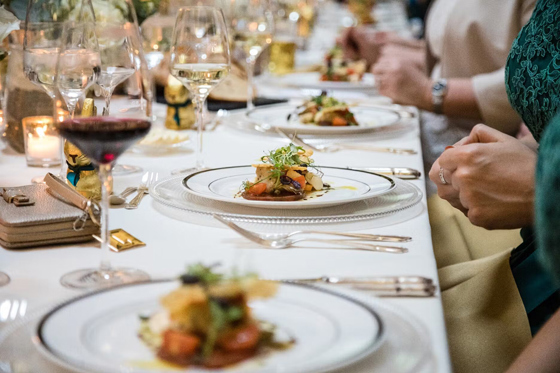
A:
439, 90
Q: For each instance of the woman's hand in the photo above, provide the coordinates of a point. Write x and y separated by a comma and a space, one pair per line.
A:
403, 81
363, 43
490, 177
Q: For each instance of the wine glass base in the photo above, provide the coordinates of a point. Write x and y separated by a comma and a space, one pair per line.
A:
124, 169
94, 278
4, 279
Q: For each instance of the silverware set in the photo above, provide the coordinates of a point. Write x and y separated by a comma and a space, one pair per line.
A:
148, 179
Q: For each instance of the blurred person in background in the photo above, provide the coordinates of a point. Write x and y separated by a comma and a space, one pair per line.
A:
456, 76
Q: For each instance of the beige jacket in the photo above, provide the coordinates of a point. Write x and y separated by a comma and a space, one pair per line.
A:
472, 38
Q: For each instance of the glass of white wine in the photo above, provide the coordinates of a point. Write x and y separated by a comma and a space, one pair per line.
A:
252, 26
200, 58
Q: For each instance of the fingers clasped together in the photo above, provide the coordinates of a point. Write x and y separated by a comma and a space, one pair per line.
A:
489, 176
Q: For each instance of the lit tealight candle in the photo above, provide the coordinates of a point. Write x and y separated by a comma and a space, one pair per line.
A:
42, 145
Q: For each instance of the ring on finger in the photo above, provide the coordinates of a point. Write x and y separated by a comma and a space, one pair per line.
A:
442, 177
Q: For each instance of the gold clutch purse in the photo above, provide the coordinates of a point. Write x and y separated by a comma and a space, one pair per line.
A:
39, 215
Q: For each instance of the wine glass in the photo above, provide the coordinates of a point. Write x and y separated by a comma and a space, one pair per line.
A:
103, 139
116, 49
252, 25
44, 24
121, 53
200, 58
78, 65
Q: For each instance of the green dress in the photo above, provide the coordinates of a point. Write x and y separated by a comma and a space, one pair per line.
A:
533, 87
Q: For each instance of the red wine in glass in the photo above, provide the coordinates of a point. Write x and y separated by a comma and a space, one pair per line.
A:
103, 140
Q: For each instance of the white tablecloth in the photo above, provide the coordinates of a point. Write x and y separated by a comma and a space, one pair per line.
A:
172, 243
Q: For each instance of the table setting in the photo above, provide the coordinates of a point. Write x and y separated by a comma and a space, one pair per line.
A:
146, 228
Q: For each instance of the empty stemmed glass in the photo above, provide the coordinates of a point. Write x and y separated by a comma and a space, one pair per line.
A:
200, 58
78, 65
252, 26
44, 24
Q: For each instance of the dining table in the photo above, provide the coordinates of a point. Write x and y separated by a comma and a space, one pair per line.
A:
176, 238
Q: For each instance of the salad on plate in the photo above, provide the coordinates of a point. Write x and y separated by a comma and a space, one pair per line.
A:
284, 174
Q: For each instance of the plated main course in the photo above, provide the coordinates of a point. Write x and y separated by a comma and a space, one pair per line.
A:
338, 69
324, 110
207, 321
284, 175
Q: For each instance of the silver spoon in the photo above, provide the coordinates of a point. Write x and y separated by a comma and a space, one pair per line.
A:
119, 199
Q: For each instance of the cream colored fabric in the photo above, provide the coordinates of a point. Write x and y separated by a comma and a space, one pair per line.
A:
456, 240
487, 326
472, 39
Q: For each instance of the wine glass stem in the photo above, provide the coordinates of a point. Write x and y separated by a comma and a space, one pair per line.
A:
107, 93
250, 73
106, 182
199, 102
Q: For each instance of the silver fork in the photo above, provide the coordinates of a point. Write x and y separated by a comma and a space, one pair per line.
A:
331, 148
147, 180
361, 236
286, 243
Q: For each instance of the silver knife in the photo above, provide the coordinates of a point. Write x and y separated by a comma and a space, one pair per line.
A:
400, 172
378, 280
402, 286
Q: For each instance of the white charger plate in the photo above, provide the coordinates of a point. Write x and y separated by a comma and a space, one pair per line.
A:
312, 80
97, 332
223, 184
276, 116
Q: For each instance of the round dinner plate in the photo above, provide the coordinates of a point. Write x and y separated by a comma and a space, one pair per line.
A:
223, 184
312, 80
98, 332
276, 116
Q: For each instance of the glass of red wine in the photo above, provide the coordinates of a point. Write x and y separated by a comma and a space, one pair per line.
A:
103, 139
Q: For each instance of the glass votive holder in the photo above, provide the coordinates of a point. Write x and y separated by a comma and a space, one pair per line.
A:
43, 145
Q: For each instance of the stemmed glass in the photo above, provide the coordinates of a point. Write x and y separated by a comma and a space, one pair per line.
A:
200, 58
44, 24
121, 53
78, 65
252, 26
103, 139
117, 58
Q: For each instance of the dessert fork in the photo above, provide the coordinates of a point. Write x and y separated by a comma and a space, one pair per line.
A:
286, 243
361, 236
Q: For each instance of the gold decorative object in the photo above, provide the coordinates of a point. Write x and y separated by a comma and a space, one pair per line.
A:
180, 109
282, 56
362, 9
81, 174
121, 240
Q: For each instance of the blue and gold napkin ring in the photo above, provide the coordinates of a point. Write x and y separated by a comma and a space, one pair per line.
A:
16, 197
